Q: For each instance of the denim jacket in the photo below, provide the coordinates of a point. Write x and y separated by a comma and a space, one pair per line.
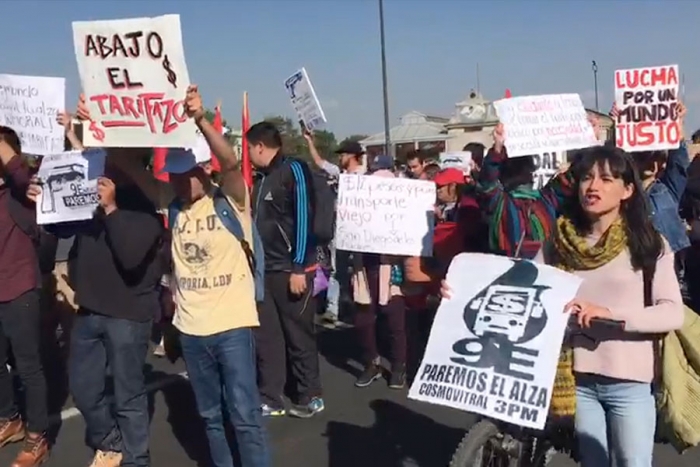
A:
664, 197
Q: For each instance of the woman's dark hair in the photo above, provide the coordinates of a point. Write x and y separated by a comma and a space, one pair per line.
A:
477, 150
643, 241
517, 171
9, 136
431, 170
645, 161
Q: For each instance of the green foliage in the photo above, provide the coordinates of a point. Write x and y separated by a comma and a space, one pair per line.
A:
294, 143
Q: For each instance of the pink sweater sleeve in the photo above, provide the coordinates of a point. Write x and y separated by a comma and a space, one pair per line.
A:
667, 313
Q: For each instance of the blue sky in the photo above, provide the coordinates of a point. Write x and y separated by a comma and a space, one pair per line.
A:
433, 47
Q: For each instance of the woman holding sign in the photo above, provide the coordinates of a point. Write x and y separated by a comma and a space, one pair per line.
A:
608, 240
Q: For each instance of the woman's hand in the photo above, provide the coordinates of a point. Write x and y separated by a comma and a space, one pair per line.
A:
586, 311
66, 121
445, 290
83, 112
34, 189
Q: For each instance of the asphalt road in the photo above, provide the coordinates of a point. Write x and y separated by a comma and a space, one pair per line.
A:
360, 427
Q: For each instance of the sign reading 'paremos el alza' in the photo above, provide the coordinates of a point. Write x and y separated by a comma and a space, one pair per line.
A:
135, 78
494, 346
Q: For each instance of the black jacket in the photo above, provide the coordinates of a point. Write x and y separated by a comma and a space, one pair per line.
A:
113, 265
283, 208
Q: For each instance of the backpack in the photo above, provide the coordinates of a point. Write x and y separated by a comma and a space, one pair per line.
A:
323, 203
255, 257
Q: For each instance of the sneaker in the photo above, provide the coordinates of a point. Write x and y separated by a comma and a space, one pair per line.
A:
371, 374
398, 377
106, 459
268, 411
11, 430
309, 410
327, 320
34, 452
159, 351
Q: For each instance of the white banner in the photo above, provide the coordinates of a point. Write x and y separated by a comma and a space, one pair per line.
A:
392, 216
549, 123
304, 100
69, 186
494, 346
135, 79
29, 105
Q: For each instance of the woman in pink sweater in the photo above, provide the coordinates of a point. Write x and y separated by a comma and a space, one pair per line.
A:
607, 239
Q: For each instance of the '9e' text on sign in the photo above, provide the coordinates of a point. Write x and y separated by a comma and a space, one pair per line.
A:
135, 78
647, 104
392, 216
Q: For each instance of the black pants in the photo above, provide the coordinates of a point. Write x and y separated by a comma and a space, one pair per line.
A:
20, 328
287, 331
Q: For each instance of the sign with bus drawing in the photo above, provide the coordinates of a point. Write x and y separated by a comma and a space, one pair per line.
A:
135, 78
495, 343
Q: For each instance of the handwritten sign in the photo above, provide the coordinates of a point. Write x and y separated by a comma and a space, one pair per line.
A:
539, 124
495, 343
29, 105
69, 186
304, 100
647, 101
134, 76
393, 216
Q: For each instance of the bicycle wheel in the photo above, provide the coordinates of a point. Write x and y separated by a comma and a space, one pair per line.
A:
482, 446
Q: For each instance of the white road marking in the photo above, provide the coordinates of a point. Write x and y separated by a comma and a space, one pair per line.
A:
160, 383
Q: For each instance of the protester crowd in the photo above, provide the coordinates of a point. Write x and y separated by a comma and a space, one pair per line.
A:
246, 275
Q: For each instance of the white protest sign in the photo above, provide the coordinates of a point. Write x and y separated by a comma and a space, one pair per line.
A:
647, 104
494, 345
29, 105
538, 124
459, 160
69, 191
392, 216
304, 100
135, 78
546, 166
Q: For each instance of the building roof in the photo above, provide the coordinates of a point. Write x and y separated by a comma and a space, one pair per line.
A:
414, 126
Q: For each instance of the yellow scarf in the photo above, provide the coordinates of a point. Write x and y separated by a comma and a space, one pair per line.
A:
573, 253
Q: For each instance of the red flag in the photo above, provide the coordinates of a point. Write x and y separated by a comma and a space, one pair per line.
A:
218, 126
245, 155
159, 163
508, 94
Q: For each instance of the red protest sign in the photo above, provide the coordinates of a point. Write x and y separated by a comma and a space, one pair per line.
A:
647, 108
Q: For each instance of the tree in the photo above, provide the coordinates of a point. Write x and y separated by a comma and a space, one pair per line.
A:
353, 139
292, 141
326, 144
209, 116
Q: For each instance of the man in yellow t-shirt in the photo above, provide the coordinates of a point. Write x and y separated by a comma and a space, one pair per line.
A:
213, 288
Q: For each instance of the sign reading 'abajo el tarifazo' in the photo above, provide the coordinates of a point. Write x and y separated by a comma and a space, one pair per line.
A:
135, 78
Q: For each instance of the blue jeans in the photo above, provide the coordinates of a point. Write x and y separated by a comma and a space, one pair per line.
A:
223, 366
614, 420
98, 342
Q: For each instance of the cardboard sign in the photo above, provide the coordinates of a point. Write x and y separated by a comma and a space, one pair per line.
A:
647, 104
70, 186
135, 78
495, 343
29, 105
392, 216
306, 104
549, 123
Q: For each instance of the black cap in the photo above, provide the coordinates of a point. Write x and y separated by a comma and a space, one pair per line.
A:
350, 147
